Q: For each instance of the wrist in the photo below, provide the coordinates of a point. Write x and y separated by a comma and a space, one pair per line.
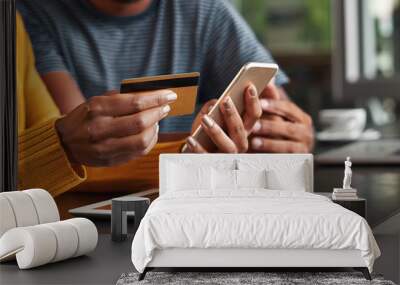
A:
59, 126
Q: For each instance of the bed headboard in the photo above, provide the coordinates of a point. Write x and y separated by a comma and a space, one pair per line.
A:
286, 164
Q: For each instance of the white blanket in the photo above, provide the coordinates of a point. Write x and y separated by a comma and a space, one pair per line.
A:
253, 218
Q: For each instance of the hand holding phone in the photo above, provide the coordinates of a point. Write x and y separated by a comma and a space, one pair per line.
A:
257, 75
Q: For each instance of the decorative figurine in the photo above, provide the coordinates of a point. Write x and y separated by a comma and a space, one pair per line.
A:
346, 192
347, 174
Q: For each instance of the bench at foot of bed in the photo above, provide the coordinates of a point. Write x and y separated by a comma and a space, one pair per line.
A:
363, 270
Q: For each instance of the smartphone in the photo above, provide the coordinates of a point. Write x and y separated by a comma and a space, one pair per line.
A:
258, 74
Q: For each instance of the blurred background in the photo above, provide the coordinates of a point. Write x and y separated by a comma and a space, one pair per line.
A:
314, 41
343, 60
299, 35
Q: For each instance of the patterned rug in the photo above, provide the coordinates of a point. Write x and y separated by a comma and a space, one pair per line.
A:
243, 278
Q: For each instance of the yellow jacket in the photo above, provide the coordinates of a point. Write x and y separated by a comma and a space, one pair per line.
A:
41, 158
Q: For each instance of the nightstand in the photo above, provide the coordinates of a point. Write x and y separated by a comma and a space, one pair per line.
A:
120, 207
358, 206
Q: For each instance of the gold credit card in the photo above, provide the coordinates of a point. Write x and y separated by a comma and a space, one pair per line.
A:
183, 84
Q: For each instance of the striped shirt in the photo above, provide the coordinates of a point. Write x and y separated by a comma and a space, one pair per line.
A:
171, 36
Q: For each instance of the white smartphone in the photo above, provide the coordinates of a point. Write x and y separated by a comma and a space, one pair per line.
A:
258, 74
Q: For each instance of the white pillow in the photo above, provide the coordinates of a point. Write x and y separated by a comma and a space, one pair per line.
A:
188, 177
283, 174
251, 178
278, 179
224, 179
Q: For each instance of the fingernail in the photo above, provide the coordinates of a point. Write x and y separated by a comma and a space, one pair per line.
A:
171, 96
191, 142
166, 109
256, 143
208, 121
157, 128
253, 91
257, 126
227, 103
264, 104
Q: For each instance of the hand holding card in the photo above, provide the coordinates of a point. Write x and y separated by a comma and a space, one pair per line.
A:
113, 129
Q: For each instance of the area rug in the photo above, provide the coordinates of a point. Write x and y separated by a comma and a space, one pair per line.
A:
243, 278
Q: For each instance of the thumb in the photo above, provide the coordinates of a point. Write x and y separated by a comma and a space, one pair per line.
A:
203, 111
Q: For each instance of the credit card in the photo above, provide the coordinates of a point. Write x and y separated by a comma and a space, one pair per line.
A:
185, 85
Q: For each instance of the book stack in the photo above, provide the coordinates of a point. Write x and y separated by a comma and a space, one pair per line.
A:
344, 194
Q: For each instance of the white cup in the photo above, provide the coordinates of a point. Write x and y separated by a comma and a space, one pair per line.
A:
343, 120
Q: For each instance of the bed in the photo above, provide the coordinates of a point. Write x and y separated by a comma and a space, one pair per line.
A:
247, 211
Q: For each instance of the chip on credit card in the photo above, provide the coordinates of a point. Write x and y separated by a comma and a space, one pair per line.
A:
183, 84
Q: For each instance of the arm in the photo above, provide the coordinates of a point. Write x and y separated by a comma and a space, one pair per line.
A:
64, 90
50, 62
30, 87
39, 150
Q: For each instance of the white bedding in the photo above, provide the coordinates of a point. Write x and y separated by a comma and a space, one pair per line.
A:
252, 218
